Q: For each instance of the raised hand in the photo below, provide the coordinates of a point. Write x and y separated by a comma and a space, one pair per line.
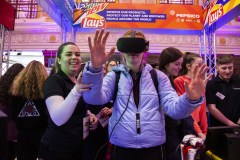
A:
97, 49
80, 86
196, 87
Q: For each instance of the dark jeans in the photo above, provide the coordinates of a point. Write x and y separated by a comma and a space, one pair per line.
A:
174, 137
28, 145
46, 154
96, 144
172, 145
11, 150
175, 131
152, 153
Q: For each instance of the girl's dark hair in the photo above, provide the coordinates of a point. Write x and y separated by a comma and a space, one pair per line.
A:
53, 70
188, 59
59, 53
6, 81
110, 60
107, 64
167, 56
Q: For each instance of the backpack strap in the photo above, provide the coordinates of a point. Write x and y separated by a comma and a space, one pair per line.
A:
116, 85
153, 73
154, 78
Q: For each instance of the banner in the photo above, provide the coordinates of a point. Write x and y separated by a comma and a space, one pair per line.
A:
149, 16
218, 9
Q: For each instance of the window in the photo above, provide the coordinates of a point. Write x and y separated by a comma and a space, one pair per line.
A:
176, 1
25, 8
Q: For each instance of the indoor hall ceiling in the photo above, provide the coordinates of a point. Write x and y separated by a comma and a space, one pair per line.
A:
61, 11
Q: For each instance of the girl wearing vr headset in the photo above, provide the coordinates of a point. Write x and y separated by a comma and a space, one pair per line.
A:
137, 127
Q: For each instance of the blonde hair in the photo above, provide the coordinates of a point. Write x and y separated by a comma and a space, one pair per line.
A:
29, 82
133, 34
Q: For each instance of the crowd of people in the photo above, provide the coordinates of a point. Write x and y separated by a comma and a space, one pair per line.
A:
125, 110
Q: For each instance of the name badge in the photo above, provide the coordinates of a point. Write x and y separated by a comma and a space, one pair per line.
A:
220, 95
236, 88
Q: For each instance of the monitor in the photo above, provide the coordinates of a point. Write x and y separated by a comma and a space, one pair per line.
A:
223, 141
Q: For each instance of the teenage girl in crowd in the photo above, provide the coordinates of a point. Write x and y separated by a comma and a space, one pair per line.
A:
29, 109
199, 115
63, 138
170, 62
5, 85
109, 65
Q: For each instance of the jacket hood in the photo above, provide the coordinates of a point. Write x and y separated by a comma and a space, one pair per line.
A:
125, 70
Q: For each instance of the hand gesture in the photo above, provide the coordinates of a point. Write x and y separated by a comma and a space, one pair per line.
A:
232, 124
97, 49
93, 122
105, 112
80, 86
196, 87
201, 135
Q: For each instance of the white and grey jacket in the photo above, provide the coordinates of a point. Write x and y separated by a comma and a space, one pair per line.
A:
152, 121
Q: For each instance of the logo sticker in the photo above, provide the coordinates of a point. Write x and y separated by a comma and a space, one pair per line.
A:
29, 110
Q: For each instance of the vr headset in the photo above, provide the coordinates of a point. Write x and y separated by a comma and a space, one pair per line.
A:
132, 45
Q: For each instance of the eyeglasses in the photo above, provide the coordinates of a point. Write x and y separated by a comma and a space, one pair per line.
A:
112, 65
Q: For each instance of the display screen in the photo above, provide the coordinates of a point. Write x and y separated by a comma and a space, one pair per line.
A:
217, 140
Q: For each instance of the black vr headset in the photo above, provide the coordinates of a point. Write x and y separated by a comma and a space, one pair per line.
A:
132, 45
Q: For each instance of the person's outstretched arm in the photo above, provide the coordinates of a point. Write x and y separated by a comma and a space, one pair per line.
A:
220, 116
98, 54
93, 71
61, 109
